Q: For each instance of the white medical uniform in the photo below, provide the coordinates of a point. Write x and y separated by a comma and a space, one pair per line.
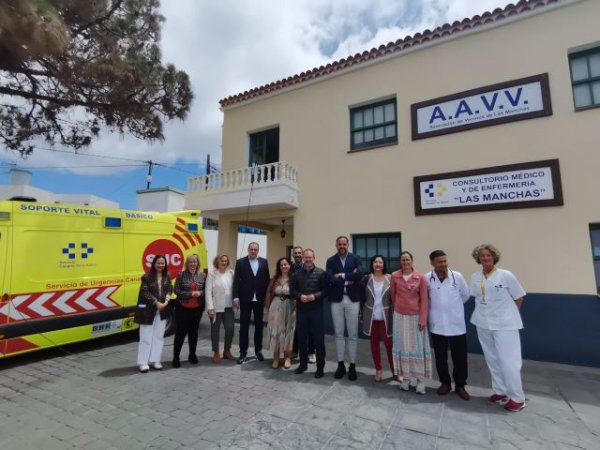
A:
498, 322
446, 311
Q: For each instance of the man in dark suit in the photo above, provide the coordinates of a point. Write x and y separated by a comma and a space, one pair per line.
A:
344, 271
250, 281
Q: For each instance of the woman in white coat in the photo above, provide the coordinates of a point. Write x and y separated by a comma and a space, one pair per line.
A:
498, 298
219, 304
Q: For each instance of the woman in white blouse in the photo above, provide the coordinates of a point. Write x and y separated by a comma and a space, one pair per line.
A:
498, 298
377, 313
219, 304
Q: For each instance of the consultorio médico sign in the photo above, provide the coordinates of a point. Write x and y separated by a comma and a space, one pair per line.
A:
525, 98
525, 185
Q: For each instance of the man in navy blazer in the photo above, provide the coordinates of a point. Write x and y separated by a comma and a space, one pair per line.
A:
344, 271
250, 281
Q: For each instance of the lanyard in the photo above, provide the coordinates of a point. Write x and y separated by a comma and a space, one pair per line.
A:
482, 284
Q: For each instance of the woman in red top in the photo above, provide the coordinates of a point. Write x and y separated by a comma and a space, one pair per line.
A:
411, 350
189, 288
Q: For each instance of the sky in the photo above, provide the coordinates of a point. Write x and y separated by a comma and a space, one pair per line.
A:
228, 47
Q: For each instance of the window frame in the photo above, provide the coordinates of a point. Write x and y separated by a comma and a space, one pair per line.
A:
595, 259
589, 81
389, 260
386, 140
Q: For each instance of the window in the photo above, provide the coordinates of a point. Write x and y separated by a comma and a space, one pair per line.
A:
585, 77
264, 147
365, 246
595, 236
373, 125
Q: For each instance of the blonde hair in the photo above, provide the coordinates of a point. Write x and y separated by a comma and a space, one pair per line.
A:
218, 258
189, 258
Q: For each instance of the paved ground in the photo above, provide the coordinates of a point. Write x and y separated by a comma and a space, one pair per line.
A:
93, 398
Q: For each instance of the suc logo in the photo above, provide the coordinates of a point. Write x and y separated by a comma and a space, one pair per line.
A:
169, 249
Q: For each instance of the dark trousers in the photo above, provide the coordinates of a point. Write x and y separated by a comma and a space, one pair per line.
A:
246, 310
311, 344
227, 318
188, 320
458, 351
310, 324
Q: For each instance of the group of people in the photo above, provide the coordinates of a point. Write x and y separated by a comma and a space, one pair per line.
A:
410, 312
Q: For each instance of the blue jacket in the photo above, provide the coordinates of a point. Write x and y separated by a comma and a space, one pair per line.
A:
354, 274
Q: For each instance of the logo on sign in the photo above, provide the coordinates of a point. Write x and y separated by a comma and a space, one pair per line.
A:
169, 249
433, 190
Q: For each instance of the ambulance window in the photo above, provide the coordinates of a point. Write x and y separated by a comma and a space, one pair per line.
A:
112, 222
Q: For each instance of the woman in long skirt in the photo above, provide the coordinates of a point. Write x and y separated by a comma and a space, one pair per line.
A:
282, 314
411, 349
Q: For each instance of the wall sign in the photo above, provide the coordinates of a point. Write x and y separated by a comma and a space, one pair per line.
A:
526, 185
510, 101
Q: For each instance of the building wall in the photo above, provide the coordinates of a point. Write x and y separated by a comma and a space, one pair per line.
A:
371, 191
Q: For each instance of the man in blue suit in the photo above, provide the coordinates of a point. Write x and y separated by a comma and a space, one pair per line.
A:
250, 281
344, 271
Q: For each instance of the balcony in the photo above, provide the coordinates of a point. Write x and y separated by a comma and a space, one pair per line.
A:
262, 188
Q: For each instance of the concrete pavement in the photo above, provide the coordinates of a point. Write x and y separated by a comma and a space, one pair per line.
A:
94, 398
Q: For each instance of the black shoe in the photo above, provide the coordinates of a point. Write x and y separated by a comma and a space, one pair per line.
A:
340, 371
319, 373
259, 356
300, 369
193, 359
352, 372
176, 363
242, 358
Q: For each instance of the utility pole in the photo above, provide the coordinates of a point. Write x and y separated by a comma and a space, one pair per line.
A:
208, 164
149, 176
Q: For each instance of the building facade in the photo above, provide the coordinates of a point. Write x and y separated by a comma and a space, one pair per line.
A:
484, 130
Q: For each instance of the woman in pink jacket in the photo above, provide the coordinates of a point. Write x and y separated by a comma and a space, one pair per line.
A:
411, 350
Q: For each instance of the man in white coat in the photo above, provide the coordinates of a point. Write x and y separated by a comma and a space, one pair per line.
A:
448, 292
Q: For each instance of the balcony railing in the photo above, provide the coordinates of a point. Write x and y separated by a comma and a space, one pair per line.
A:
263, 175
266, 187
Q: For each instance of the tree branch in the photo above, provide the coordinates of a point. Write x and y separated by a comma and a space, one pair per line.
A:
116, 5
59, 101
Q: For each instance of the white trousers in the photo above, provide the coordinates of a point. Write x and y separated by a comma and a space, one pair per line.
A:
151, 341
345, 317
502, 351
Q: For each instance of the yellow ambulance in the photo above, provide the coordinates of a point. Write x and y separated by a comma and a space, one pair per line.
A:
70, 273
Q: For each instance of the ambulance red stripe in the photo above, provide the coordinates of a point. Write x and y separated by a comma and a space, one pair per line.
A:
181, 241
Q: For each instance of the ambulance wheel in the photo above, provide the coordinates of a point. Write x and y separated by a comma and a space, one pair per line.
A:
171, 325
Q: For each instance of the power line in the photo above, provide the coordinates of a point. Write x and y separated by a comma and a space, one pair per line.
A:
93, 155
121, 158
76, 167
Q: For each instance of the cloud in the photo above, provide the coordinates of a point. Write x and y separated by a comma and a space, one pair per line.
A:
230, 46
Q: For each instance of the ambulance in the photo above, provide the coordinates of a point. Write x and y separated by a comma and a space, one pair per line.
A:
69, 273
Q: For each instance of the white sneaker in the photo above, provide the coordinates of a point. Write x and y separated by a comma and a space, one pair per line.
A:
312, 358
144, 368
405, 385
156, 365
420, 386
